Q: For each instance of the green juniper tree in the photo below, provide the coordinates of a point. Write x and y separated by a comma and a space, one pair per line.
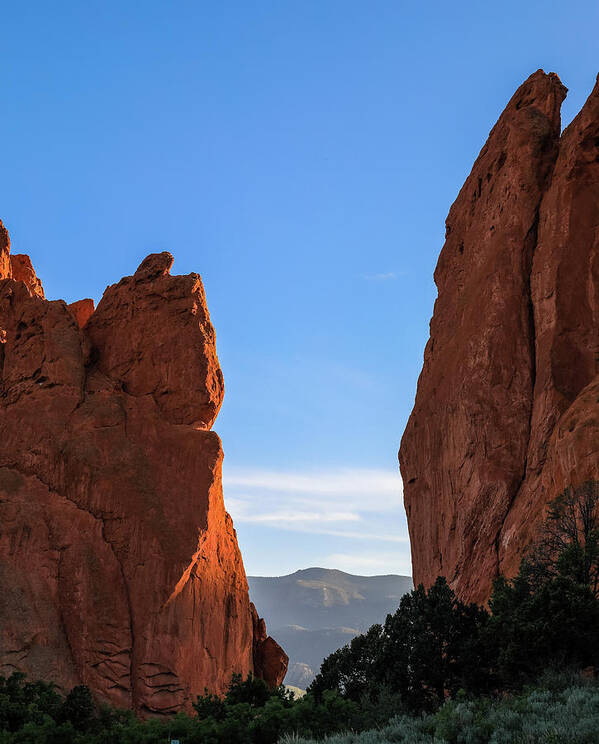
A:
568, 544
548, 615
428, 649
434, 645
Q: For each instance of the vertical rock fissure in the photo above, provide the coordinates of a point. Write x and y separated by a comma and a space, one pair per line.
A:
61, 613
530, 245
28, 473
134, 679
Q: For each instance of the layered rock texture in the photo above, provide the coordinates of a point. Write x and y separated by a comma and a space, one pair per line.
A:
119, 566
507, 408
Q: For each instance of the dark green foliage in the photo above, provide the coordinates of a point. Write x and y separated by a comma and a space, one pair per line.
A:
532, 628
562, 709
22, 702
569, 542
252, 712
441, 650
78, 708
249, 713
432, 646
210, 706
253, 691
548, 616
352, 670
435, 645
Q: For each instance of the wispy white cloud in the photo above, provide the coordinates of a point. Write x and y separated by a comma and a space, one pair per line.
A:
341, 481
288, 516
356, 504
382, 277
377, 536
347, 518
367, 564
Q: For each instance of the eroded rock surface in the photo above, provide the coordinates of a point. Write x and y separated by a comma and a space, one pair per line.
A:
513, 346
119, 566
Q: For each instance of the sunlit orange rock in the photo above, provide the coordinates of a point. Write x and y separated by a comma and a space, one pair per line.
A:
22, 271
505, 417
119, 566
5, 270
82, 310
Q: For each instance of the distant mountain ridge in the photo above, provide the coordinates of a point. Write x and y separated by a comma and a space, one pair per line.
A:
315, 611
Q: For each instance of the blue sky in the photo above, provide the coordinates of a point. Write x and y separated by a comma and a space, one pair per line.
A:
302, 156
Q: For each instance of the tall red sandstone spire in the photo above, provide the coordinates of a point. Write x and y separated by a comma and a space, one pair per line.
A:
463, 455
564, 283
119, 566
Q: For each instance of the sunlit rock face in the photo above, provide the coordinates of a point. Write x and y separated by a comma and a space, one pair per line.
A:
119, 566
506, 413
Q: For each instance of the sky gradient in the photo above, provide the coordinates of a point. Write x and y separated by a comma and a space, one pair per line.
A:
301, 156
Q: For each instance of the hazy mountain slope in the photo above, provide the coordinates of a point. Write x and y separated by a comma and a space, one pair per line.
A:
313, 612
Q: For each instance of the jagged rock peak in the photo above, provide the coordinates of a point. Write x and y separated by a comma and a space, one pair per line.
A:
155, 265
153, 315
22, 271
542, 91
17, 266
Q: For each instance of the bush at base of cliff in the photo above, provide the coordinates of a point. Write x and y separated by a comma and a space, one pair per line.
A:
554, 712
250, 713
533, 628
434, 645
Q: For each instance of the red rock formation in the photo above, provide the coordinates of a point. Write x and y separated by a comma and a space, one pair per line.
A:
119, 565
5, 270
23, 271
82, 310
269, 657
565, 297
513, 345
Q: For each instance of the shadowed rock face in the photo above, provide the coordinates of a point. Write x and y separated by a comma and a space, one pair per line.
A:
513, 346
119, 566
